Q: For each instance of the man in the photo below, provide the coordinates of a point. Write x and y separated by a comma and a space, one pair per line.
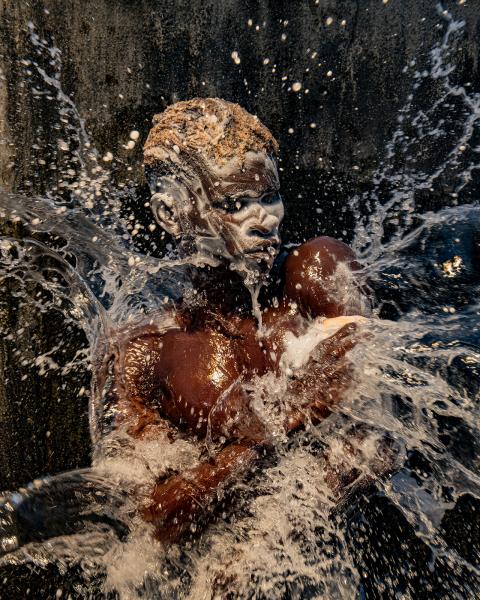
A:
211, 167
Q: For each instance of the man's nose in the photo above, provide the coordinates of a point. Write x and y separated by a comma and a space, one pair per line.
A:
259, 231
264, 224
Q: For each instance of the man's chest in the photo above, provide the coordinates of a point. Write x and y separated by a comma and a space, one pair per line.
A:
185, 373
197, 367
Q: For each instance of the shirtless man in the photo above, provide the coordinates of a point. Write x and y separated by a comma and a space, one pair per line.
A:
211, 167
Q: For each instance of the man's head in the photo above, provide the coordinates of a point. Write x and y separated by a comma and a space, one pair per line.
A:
214, 181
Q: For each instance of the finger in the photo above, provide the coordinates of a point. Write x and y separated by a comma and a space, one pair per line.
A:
331, 326
337, 338
336, 381
335, 349
329, 372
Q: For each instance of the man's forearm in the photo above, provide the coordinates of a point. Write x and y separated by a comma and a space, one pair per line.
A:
180, 500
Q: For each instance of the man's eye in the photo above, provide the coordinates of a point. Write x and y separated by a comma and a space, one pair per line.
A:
232, 206
272, 198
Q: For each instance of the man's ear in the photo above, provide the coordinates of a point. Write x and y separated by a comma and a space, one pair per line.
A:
170, 203
165, 210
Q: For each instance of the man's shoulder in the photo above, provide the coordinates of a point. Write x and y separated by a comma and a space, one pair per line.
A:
322, 249
308, 269
149, 329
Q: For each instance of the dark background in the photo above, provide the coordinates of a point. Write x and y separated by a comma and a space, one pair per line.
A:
124, 60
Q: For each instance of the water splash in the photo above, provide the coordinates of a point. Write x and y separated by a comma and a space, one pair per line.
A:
414, 402
433, 150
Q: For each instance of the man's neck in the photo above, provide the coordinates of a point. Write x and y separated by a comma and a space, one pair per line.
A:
224, 290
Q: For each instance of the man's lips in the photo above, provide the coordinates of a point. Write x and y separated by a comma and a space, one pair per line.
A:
263, 247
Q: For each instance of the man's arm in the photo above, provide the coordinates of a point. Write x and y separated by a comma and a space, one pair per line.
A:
132, 394
182, 500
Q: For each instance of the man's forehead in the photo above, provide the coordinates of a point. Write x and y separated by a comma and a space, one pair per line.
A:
255, 177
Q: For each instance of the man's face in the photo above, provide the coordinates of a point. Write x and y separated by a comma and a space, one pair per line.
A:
239, 212
232, 213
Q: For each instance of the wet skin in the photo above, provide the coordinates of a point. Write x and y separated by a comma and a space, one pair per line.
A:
193, 379
182, 375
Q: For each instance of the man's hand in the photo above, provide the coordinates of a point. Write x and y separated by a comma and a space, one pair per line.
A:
323, 381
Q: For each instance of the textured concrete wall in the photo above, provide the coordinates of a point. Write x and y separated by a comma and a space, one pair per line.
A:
124, 60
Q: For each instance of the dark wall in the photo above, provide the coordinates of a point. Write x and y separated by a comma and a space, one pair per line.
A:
123, 60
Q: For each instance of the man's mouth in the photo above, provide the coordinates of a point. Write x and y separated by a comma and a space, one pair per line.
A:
263, 248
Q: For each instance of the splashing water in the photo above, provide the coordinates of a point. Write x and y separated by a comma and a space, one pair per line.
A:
414, 396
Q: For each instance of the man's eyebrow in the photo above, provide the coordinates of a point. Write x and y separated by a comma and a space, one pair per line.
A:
251, 194
272, 190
